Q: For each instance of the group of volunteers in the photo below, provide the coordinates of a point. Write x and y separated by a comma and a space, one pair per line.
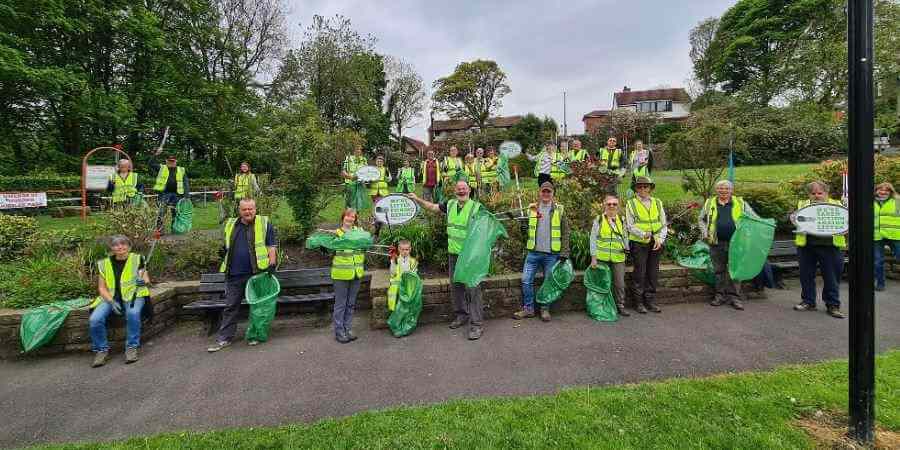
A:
635, 225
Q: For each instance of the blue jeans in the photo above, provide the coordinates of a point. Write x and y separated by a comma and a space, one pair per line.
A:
132, 311
830, 261
879, 258
532, 262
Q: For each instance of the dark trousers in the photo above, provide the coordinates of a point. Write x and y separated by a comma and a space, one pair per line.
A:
234, 295
542, 177
879, 258
645, 277
830, 261
467, 302
345, 292
727, 290
166, 200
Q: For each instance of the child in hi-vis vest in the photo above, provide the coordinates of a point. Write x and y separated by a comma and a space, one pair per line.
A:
400, 264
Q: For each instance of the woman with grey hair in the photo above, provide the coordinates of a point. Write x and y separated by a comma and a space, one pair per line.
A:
718, 222
122, 288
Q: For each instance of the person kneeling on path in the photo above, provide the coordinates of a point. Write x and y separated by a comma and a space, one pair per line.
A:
824, 252
467, 301
548, 242
718, 222
249, 249
608, 245
401, 263
122, 288
347, 271
645, 219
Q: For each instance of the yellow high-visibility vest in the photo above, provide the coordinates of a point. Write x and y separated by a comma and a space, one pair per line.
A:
127, 280
124, 189
379, 187
352, 164
610, 159
555, 228
347, 264
261, 257
243, 185
458, 223
163, 176
610, 245
644, 219
712, 213
394, 287
887, 220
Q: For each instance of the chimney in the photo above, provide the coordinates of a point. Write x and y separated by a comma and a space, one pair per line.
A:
626, 89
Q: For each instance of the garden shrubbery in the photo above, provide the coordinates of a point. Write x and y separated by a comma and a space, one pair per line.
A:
830, 171
44, 279
771, 203
16, 234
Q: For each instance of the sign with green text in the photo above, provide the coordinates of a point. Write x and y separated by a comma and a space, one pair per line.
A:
822, 219
395, 209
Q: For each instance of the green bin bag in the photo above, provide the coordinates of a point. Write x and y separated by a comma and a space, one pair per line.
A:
262, 294
600, 302
474, 261
356, 196
39, 325
553, 287
405, 316
700, 263
184, 216
353, 240
749, 247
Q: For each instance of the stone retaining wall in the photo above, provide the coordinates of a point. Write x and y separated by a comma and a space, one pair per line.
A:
503, 295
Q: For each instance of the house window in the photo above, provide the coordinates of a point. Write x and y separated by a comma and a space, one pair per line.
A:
655, 106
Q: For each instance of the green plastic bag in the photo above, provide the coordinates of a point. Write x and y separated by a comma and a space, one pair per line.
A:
405, 317
503, 171
552, 288
39, 325
262, 294
749, 247
700, 263
356, 196
184, 216
600, 302
351, 240
474, 261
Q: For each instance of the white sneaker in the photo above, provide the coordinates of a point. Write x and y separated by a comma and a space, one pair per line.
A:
218, 346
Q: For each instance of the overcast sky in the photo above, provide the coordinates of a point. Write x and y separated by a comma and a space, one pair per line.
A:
588, 48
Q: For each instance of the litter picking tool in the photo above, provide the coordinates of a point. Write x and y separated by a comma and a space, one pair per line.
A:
219, 196
518, 190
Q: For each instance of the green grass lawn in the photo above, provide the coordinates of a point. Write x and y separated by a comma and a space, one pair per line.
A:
747, 410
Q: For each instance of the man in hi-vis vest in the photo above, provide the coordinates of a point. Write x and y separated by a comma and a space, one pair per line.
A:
466, 301
548, 242
171, 185
245, 183
249, 249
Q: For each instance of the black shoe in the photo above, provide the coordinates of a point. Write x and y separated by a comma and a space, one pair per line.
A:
879, 288
342, 338
475, 332
622, 312
351, 336
458, 322
641, 309
652, 307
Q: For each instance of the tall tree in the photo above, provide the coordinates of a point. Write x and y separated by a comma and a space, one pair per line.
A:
474, 91
701, 37
404, 98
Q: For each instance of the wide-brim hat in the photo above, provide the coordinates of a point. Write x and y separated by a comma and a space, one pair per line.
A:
644, 180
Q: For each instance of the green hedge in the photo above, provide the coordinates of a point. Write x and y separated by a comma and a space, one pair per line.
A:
49, 182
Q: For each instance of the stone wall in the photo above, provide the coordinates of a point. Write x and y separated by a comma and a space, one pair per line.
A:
503, 295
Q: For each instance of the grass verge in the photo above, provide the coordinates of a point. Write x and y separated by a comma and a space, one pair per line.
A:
747, 410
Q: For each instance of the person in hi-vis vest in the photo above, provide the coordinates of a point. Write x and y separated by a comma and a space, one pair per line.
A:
887, 228
645, 219
608, 244
547, 234
825, 253
245, 183
467, 302
122, 288
123, 185
249, 249
171, 185
347, 271
611, 157
401, 263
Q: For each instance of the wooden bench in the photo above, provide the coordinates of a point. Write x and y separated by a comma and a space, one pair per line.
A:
291, 280
783, 255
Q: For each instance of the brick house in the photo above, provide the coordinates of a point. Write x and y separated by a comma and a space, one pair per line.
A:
441, 130
594, 120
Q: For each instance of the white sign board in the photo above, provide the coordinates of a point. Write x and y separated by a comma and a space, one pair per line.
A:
511, 149
823, 219
395, 209
368, 173
642, 158
97, 177
20, 200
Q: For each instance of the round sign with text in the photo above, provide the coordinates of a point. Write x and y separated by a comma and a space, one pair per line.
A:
368, 173
511, 149
823, 219
395, 209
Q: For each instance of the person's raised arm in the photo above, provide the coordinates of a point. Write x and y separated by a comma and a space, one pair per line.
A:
433, 207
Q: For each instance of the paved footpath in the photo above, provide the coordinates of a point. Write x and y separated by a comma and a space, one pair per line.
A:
304, 375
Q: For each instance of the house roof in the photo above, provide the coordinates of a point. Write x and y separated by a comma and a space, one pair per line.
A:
632, 97
597, 113
415, 143
465, 124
